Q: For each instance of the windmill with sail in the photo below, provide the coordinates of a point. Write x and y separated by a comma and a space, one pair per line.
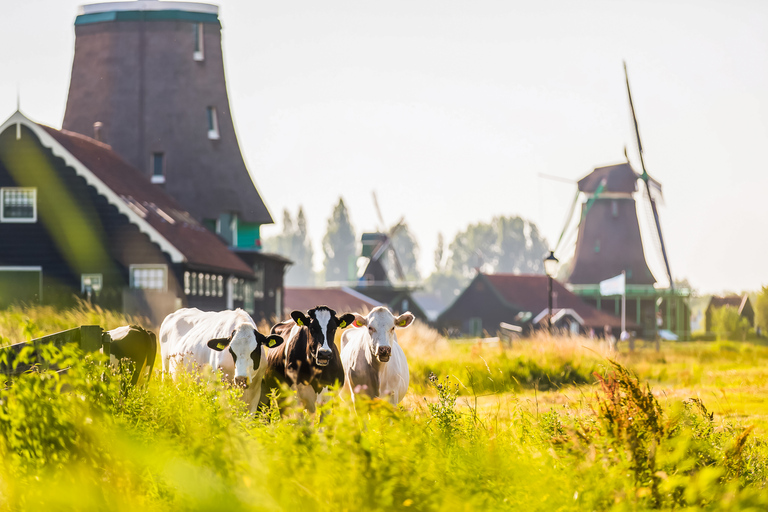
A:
611, 240
381, 275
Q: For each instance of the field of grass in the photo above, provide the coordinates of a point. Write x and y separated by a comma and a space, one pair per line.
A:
547, 424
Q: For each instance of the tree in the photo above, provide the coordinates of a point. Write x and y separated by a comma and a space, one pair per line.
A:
761, 309
506, 244
339, 245
407, 249
294, 244
439, 252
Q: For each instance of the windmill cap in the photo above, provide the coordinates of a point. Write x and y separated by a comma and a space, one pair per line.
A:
147, 5
618, 178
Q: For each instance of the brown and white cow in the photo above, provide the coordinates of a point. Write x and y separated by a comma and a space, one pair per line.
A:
309, 360
136, 344
374, 363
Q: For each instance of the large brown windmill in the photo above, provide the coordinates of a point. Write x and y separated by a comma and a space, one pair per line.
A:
610, 241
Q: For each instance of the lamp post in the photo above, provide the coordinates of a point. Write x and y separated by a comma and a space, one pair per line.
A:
550, 268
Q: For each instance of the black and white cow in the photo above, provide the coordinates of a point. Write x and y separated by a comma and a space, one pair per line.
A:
225, 340
136, 344
309, 360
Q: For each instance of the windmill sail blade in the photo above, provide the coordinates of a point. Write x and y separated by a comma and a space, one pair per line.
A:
646, 179
378, 212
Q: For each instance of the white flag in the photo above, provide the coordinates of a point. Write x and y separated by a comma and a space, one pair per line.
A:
613, 286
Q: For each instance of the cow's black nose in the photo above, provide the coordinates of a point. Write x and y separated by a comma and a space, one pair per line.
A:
384, 352
241, 382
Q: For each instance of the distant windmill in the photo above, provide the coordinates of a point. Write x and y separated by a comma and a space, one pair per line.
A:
377, 246
607, 227
609, 242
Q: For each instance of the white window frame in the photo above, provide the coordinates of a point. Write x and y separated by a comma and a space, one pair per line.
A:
149, 266
100, 278
212, 119
157, 178
199, 52
20, 220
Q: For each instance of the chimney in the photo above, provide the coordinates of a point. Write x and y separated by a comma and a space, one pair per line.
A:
97, 131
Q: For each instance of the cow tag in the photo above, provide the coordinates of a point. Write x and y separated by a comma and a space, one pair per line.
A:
343, 324
221, 345
272, 342
299, 322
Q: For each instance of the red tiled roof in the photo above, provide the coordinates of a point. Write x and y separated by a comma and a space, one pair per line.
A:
530, 293
198, 245
341, 300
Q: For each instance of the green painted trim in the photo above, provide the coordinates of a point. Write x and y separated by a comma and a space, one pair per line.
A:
172, 15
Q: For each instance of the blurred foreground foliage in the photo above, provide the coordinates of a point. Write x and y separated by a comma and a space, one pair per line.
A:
83, 440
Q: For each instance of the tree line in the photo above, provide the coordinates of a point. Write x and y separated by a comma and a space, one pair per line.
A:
505, 244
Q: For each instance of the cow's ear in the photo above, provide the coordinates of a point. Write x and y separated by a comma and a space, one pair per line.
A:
405, 319
273, 340
300, 318
345, 320
360, 320
218, 344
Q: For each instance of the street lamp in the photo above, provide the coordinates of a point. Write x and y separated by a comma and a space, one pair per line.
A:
550, 268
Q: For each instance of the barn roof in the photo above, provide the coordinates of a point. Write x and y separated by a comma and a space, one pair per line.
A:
161, 211
735, 301
145, 204
529, 292
341, 299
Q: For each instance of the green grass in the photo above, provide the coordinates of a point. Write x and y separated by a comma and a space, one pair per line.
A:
531, 427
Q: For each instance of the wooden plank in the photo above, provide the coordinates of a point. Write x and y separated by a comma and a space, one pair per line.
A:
88, 337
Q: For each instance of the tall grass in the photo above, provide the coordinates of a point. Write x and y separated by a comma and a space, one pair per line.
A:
18, 324
83, 440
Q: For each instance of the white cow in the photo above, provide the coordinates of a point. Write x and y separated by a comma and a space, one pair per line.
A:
190, 338
374, 363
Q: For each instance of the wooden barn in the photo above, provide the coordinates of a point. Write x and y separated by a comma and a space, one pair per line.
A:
522, 301
77, 219
740, 303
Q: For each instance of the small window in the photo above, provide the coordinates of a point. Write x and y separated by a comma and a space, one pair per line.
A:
187, 285
158, 167
18, 204
149, 277
193, 283
248, 299
198, 34
90, 283
220, 286
213, 124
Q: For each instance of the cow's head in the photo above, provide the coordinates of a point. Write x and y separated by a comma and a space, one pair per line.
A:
247, 346
381, 325
322, 323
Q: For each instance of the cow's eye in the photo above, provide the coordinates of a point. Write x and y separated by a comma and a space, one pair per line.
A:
371, 330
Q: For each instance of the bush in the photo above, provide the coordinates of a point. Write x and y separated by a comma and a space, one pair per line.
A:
728, 324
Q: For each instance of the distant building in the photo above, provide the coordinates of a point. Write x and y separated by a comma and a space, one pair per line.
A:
740, 303
341, 300
76, 219
522, 301
157, 143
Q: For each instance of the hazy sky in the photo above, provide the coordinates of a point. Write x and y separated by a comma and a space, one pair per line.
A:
450, 110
